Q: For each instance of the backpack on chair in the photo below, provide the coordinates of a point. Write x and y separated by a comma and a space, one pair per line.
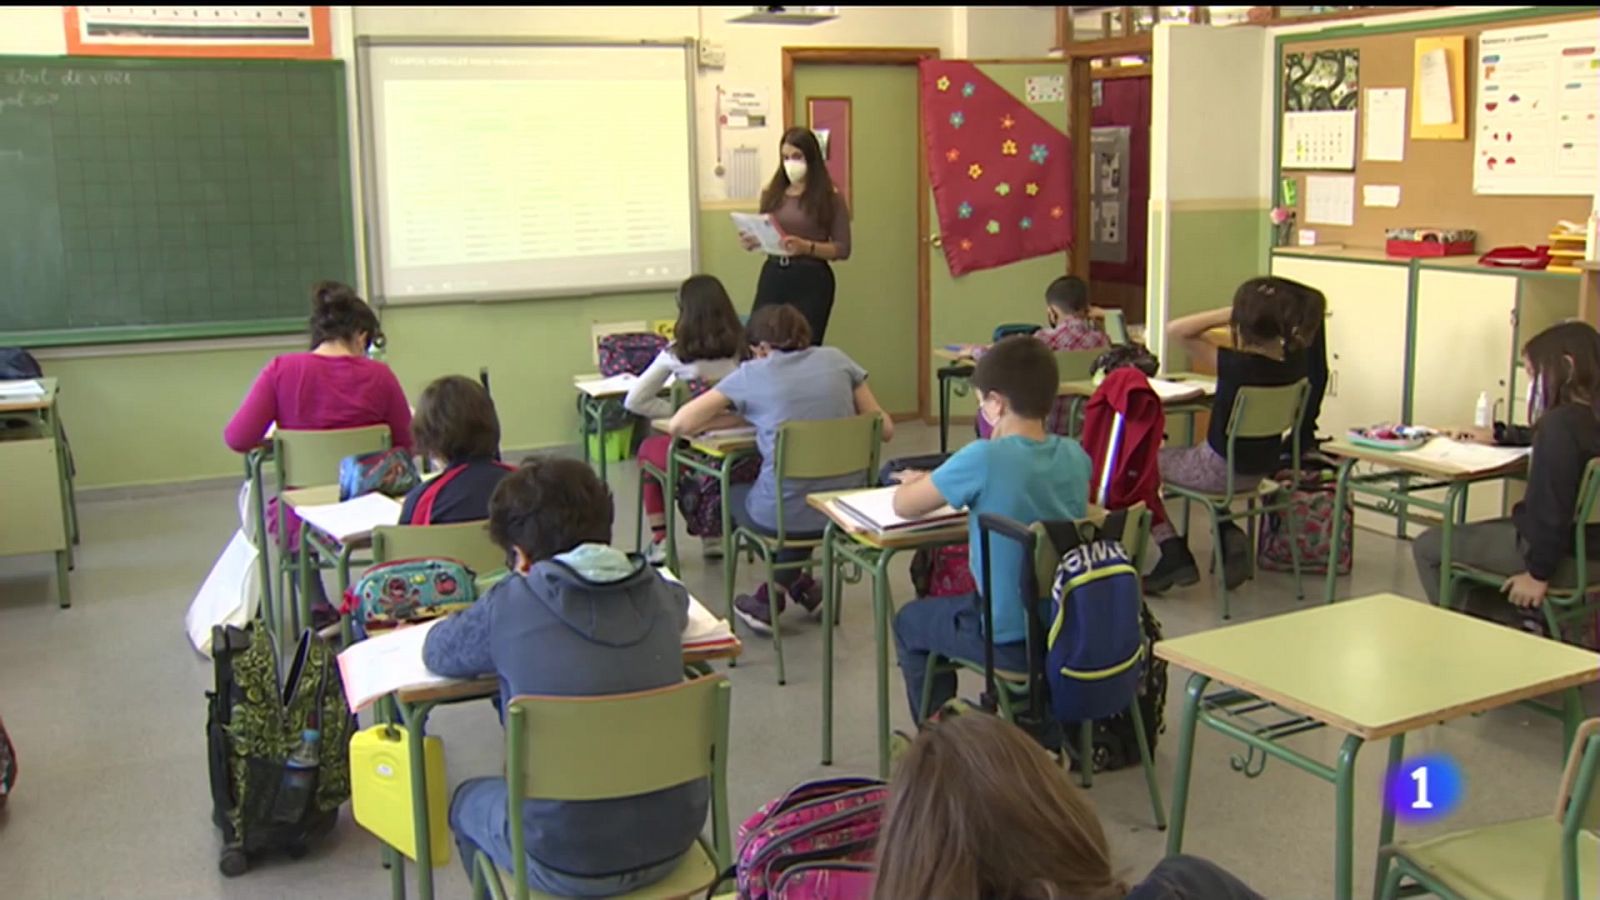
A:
811, 842
630, 352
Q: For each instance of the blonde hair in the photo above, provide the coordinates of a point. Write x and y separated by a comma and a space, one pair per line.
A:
977, 809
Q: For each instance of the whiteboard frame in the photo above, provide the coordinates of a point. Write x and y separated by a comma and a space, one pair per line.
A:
371, 211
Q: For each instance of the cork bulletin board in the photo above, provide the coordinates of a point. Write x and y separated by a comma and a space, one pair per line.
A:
1435, 177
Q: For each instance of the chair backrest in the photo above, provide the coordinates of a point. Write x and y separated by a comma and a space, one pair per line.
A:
1260, 412
1589, 496
465, 542
1001, 332
827, 448
1579, 794
1116, 326
311, 458
1134, 537
1077, 365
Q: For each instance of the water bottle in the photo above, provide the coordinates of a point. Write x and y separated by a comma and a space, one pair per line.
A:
1483, 417
299, 779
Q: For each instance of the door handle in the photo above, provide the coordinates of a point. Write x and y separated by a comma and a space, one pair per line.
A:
936, 241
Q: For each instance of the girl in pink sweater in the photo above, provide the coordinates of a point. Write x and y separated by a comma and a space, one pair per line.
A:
332, 386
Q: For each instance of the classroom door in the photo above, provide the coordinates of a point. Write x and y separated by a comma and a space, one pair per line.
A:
875, 307
965, 310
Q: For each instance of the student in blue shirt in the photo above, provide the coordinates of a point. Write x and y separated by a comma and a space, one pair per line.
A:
1022, 471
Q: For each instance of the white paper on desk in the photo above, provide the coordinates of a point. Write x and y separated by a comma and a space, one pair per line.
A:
738, 431
1330, 199
761, 227
875, 510
704, 627
1386, 195
385, 663
609, 387
22, 389
1437, 105
353, 518
1384, 131
1465, 456
1174, 391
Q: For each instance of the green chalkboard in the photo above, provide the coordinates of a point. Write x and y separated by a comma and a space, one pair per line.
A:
151, 199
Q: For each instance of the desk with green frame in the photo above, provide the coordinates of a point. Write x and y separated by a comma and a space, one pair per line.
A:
845, 542
1373, 668
1397, 486
592, 408
414, 707
41, 513
704, 455
315, 547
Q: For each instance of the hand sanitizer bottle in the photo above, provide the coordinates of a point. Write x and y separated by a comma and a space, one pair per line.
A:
1483, 417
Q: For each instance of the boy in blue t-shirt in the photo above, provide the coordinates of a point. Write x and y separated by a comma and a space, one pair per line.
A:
1023, 472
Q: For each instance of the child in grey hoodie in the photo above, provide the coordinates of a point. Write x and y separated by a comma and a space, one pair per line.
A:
577, 617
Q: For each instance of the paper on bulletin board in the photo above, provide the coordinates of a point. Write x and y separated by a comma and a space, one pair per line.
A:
1384, 131
1535, 116
745, 109
1330, 200
1046, 88
1433, 84
1386, 195
1324, 139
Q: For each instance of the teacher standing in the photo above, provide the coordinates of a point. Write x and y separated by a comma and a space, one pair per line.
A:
815, 221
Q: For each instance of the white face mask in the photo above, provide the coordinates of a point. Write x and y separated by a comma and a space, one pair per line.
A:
795, 169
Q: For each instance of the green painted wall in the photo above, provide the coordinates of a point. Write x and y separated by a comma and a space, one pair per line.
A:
1209, 253
152, 419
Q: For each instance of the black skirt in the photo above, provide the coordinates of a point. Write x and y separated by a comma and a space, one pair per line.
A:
806, 283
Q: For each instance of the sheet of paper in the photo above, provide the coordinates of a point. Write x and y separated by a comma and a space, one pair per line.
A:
1330, 199
875, 510
1319, 140
704, 627
740, 431
385, 663
353, 518
1464, 456
1387, 195
1437, 106
1385, 127
1173, 391
24, 389
608, 387
762, 228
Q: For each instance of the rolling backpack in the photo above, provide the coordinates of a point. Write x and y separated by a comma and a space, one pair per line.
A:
700, 496
829, 825
630, 352
278, 747
1313, 500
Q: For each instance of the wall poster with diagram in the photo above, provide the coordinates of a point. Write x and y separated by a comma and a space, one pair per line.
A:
1108, 199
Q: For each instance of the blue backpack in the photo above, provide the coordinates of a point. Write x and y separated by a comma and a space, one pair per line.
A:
390, 472
1094, 654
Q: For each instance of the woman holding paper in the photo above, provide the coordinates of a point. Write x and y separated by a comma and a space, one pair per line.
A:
815, 222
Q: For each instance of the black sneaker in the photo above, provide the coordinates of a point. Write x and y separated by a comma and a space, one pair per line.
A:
1176, 568
807, 592
1235, 556
752, 610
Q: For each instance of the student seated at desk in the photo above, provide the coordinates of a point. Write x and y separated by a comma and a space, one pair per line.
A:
1563, 366
707, 345
456, 427
577, 618
1271, 320
333, 386
789, 380
1023, 472
1067, 310
977, 809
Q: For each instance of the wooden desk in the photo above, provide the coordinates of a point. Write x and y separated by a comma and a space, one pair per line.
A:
714, 456
321, 546
1373, 668
414, 707
845, 541
592, 408
1397, 494
40, 509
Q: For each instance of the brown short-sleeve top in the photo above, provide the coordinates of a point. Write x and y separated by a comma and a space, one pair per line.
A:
796, 221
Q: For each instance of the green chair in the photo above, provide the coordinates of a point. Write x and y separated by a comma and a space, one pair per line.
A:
1074, 365
1555, 857
1011, 687
822, 448
1569, 599
1258, 412
578, 748
311, 459
465, 542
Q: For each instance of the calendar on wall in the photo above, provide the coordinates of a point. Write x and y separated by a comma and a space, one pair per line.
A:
1325, 139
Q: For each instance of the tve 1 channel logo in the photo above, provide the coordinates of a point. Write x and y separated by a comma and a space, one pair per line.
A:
1425, 789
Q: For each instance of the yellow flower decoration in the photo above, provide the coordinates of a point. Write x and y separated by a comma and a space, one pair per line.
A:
1009, 148
1032, 189
944, 84
976, 171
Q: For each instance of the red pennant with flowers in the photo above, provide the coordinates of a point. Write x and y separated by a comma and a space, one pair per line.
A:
1001, 173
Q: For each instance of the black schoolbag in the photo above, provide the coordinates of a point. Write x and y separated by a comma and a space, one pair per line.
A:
16, 362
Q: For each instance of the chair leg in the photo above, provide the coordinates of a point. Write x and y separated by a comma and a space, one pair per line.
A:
1086, 753
1221, 573
768, 556
933, 667
1294, 549
1391, 883
638, 522
730, 571
1147, 764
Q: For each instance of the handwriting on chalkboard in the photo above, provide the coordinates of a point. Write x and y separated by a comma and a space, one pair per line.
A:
25, 98
38, 77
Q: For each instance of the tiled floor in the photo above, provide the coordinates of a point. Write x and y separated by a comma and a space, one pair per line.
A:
105, 702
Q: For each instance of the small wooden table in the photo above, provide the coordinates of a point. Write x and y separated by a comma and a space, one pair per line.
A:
845, 541
1376, 667
414, 707
714, 456
1395, 486
959, 369
322, 546
41, 513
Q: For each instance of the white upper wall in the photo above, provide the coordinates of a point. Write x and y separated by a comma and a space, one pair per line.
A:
1206, 114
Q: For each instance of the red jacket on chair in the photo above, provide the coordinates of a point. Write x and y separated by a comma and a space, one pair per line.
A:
1122, 431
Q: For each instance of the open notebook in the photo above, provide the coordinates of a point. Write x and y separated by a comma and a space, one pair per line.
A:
1466, 457
16, 391
1179, 391
392, 661
874, 510
353, 519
